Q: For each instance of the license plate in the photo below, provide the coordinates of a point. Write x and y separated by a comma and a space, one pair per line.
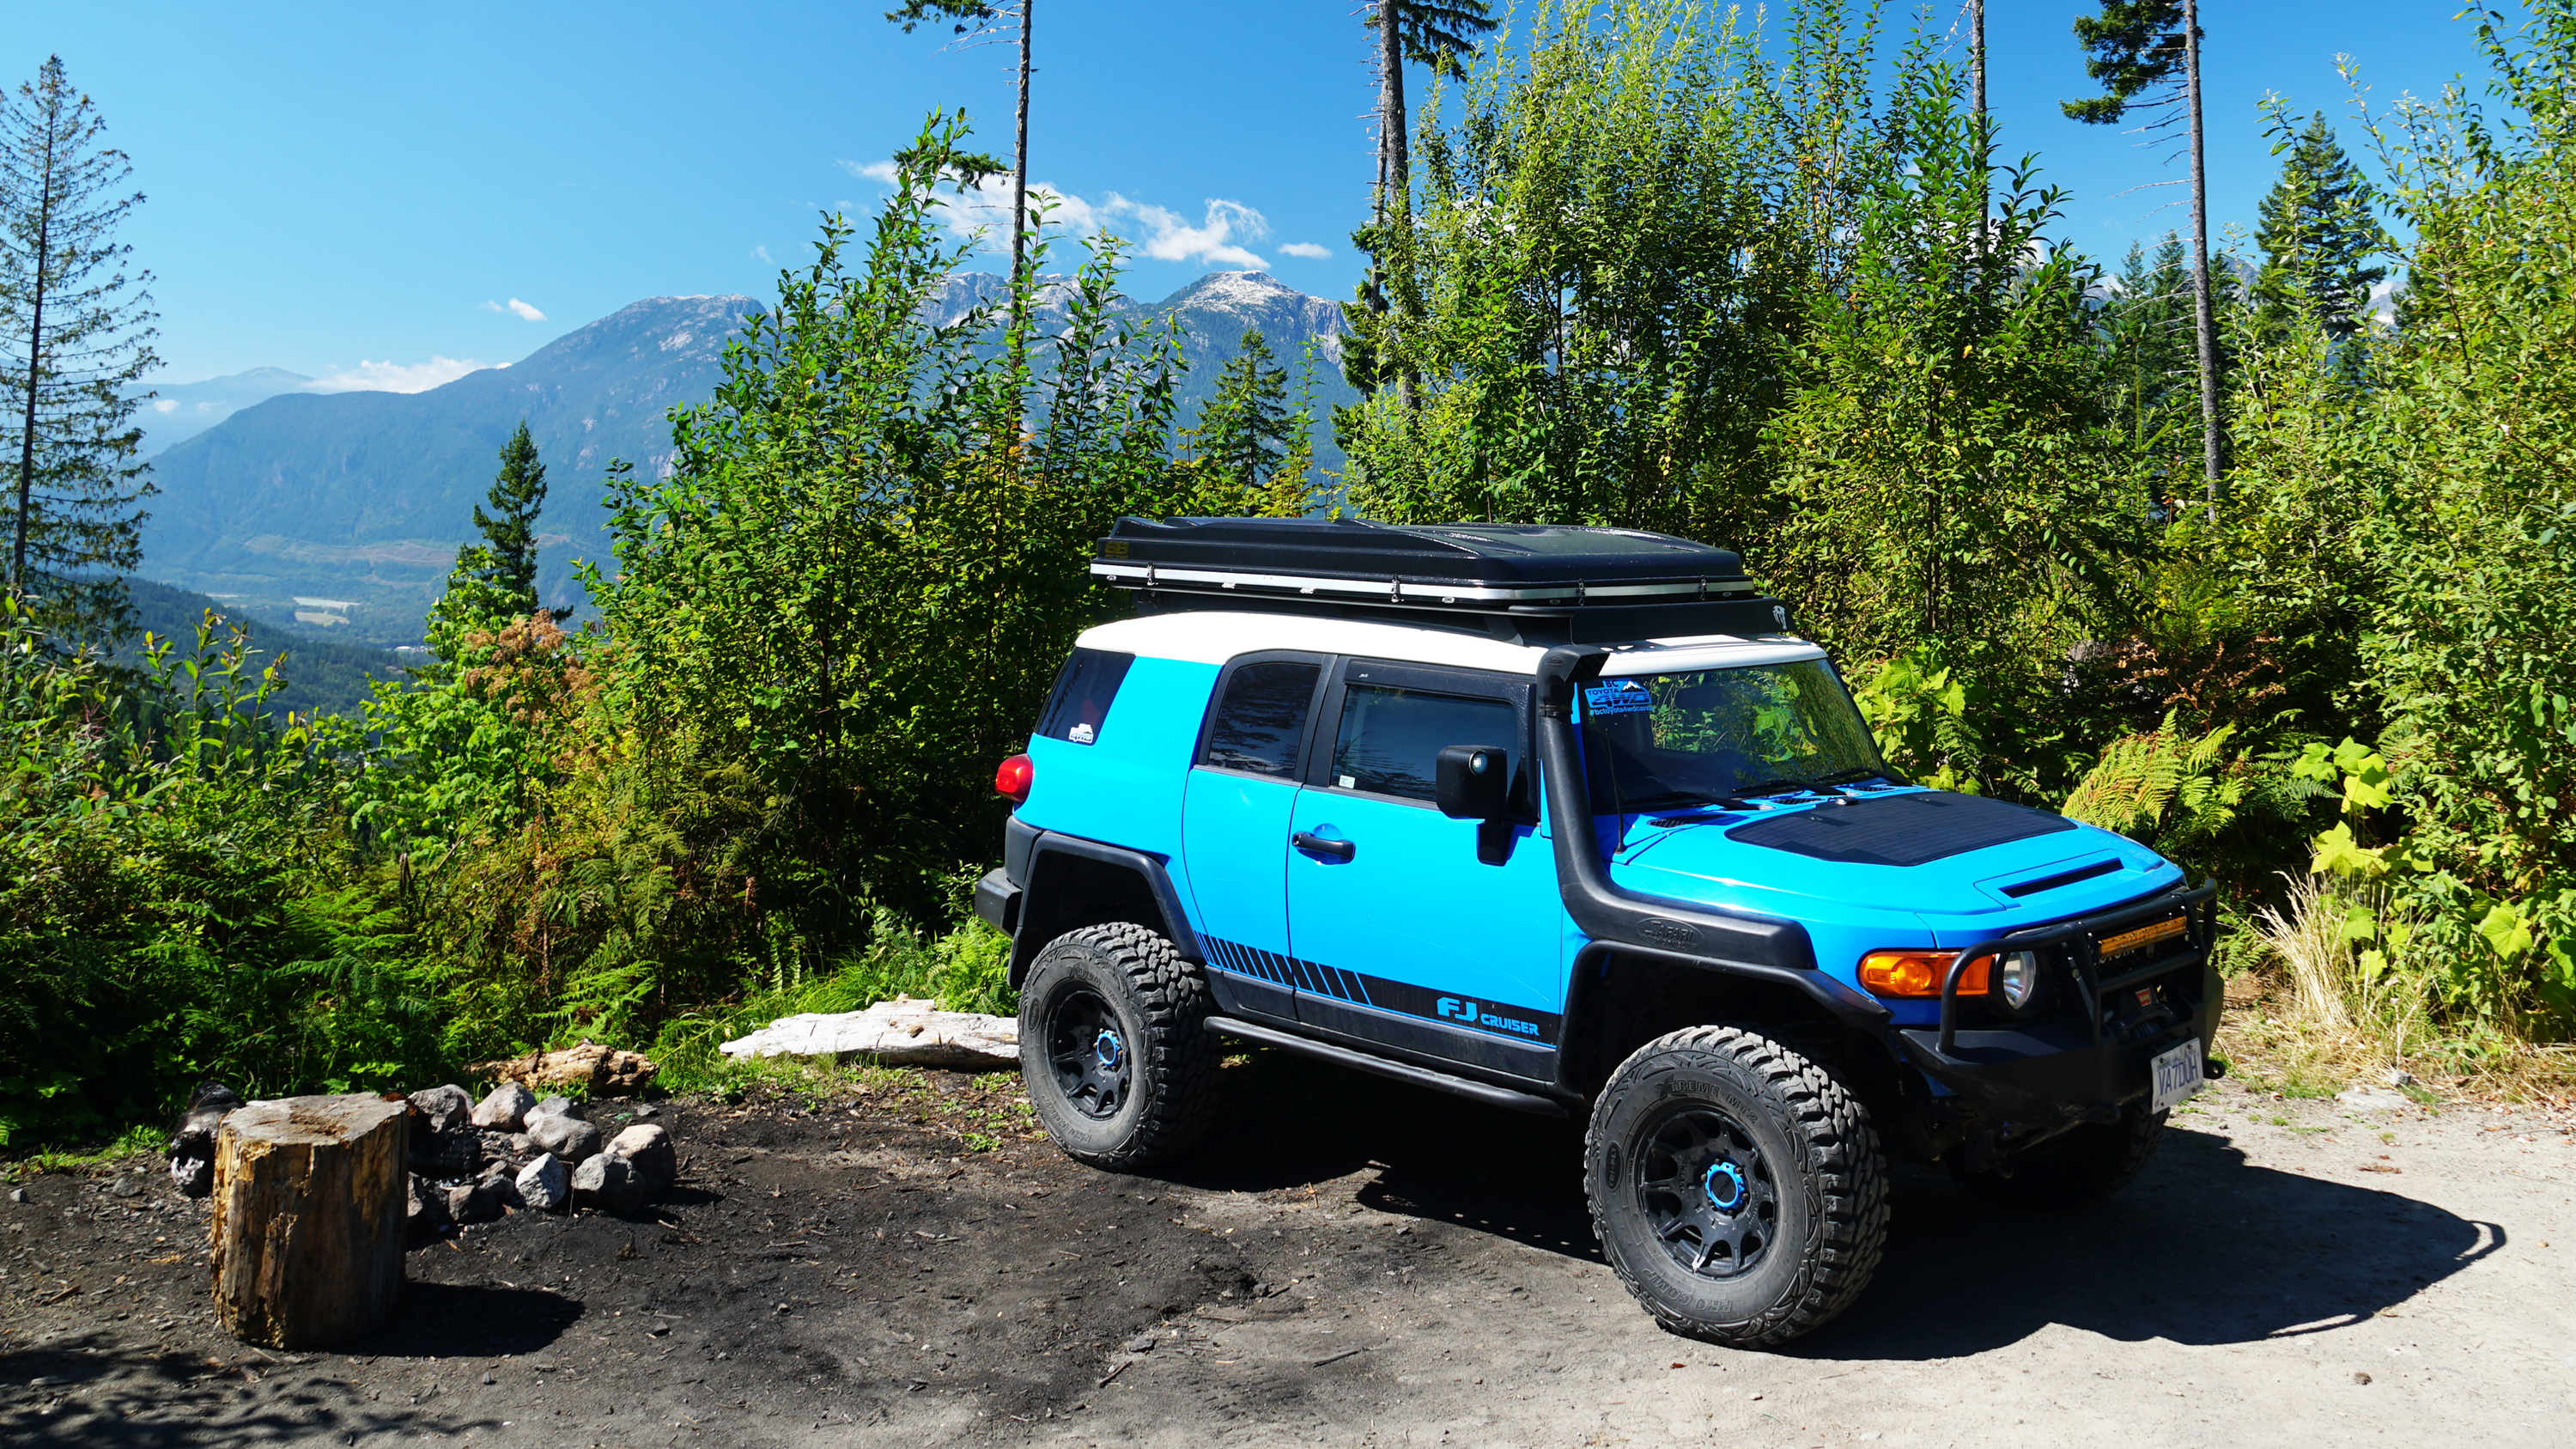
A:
2177, 1074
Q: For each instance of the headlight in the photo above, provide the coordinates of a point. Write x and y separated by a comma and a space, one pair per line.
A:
2017, 980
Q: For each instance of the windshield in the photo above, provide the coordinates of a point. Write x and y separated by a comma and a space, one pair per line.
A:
1671, 741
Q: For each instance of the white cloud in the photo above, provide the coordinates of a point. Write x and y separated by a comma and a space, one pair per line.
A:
396, 377
1159, 232
526, 312
1308, 250
165, 405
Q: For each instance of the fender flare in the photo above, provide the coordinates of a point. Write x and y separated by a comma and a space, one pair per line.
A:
1049, 847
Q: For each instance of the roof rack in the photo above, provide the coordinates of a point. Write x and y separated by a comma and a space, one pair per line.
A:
1530, 583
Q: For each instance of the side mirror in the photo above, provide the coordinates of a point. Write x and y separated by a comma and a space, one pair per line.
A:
1473, 782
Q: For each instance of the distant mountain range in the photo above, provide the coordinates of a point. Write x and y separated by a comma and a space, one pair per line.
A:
343, 511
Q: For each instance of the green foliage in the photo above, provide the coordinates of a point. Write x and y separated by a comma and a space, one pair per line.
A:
75, 335
2133, 47
2318, 237
1246, 430
496, 579
171, 903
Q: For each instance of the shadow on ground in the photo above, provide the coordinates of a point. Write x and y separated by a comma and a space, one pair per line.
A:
470, 1320
94, 1391
2204, 1249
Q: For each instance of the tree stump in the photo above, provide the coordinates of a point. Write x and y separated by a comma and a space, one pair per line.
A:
309, 1222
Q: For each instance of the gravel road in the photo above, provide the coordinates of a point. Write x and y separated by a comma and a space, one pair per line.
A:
1350, 1263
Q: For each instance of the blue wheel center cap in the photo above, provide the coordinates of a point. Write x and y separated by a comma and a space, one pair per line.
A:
1106, 1048
1724, 1185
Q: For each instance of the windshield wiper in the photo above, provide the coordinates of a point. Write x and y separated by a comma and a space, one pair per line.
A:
1853, 775
1664, 799
1776, 787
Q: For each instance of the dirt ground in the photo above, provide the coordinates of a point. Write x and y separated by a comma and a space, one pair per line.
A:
1349, 1262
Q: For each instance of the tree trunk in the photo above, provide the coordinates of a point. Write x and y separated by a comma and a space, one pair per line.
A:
2205, 314
309, 1220
1977, 108
1020, 151
35, 357
1394, 191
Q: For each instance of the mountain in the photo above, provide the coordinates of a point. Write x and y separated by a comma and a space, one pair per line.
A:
343, 511
178, 411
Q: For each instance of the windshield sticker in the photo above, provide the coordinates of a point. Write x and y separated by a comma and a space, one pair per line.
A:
1626, 697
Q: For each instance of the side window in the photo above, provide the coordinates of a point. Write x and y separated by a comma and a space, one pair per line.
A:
1082, 694
1261, 719
1390, 739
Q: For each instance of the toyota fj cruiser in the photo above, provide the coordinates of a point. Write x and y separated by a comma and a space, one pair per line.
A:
1566, 820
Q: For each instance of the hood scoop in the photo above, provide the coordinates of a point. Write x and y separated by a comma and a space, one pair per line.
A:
1901, 830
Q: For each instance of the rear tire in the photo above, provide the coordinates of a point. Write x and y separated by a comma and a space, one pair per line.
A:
2075, 1169
1114, 1050
1737, 1190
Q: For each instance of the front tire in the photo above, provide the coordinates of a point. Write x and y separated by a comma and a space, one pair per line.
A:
1737, 1190
2075, 1169
1114, 1050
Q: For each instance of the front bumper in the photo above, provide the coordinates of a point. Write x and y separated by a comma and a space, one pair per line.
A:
2090, 1058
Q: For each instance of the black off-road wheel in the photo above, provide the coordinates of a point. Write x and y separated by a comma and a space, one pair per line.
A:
1737, 1190
1114, 1049
2075, 1169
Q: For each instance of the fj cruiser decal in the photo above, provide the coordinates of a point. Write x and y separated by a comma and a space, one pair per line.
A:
1393, 996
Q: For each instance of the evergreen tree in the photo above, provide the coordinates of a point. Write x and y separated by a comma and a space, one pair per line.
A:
2150, 49
495, 581
75, 332
518, 495
1440, 35
1246, 430
2318, 235
2152, 398
978, 21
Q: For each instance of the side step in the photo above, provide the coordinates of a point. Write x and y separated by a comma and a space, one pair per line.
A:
1401, 1071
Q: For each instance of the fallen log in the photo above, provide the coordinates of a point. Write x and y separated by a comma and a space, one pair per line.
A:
309, 1219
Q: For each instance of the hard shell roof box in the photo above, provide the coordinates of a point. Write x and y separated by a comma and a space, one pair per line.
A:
1536, 583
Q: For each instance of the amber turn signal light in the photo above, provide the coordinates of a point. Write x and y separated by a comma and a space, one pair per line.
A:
1919, 973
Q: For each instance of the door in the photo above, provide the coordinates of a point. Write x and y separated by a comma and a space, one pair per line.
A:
1408, 937
1235, 825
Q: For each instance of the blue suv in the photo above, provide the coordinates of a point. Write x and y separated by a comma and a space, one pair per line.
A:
1567, 821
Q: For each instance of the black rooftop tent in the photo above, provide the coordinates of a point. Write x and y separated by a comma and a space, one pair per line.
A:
1530, 583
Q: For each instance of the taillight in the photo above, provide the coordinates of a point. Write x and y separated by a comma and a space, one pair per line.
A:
1014, 778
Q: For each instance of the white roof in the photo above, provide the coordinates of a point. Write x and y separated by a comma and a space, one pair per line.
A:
1214, 636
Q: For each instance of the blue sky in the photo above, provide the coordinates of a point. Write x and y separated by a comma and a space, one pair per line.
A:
362, 190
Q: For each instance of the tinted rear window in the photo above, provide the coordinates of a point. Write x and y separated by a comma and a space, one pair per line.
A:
1082, 694
1391, 739
1261, 719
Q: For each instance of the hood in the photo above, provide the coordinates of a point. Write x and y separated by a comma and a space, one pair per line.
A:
1958, 864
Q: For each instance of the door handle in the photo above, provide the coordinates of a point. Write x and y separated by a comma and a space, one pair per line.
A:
1318, 845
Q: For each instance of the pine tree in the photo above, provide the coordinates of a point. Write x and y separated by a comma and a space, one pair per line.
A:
1438, 34
75, 333
1245, 430
2318, 235
2151, 49
518, 495
2151, 395
495, 582
976, 22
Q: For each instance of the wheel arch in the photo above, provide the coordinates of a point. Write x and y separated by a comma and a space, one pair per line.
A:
1623, 996
1072, 883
